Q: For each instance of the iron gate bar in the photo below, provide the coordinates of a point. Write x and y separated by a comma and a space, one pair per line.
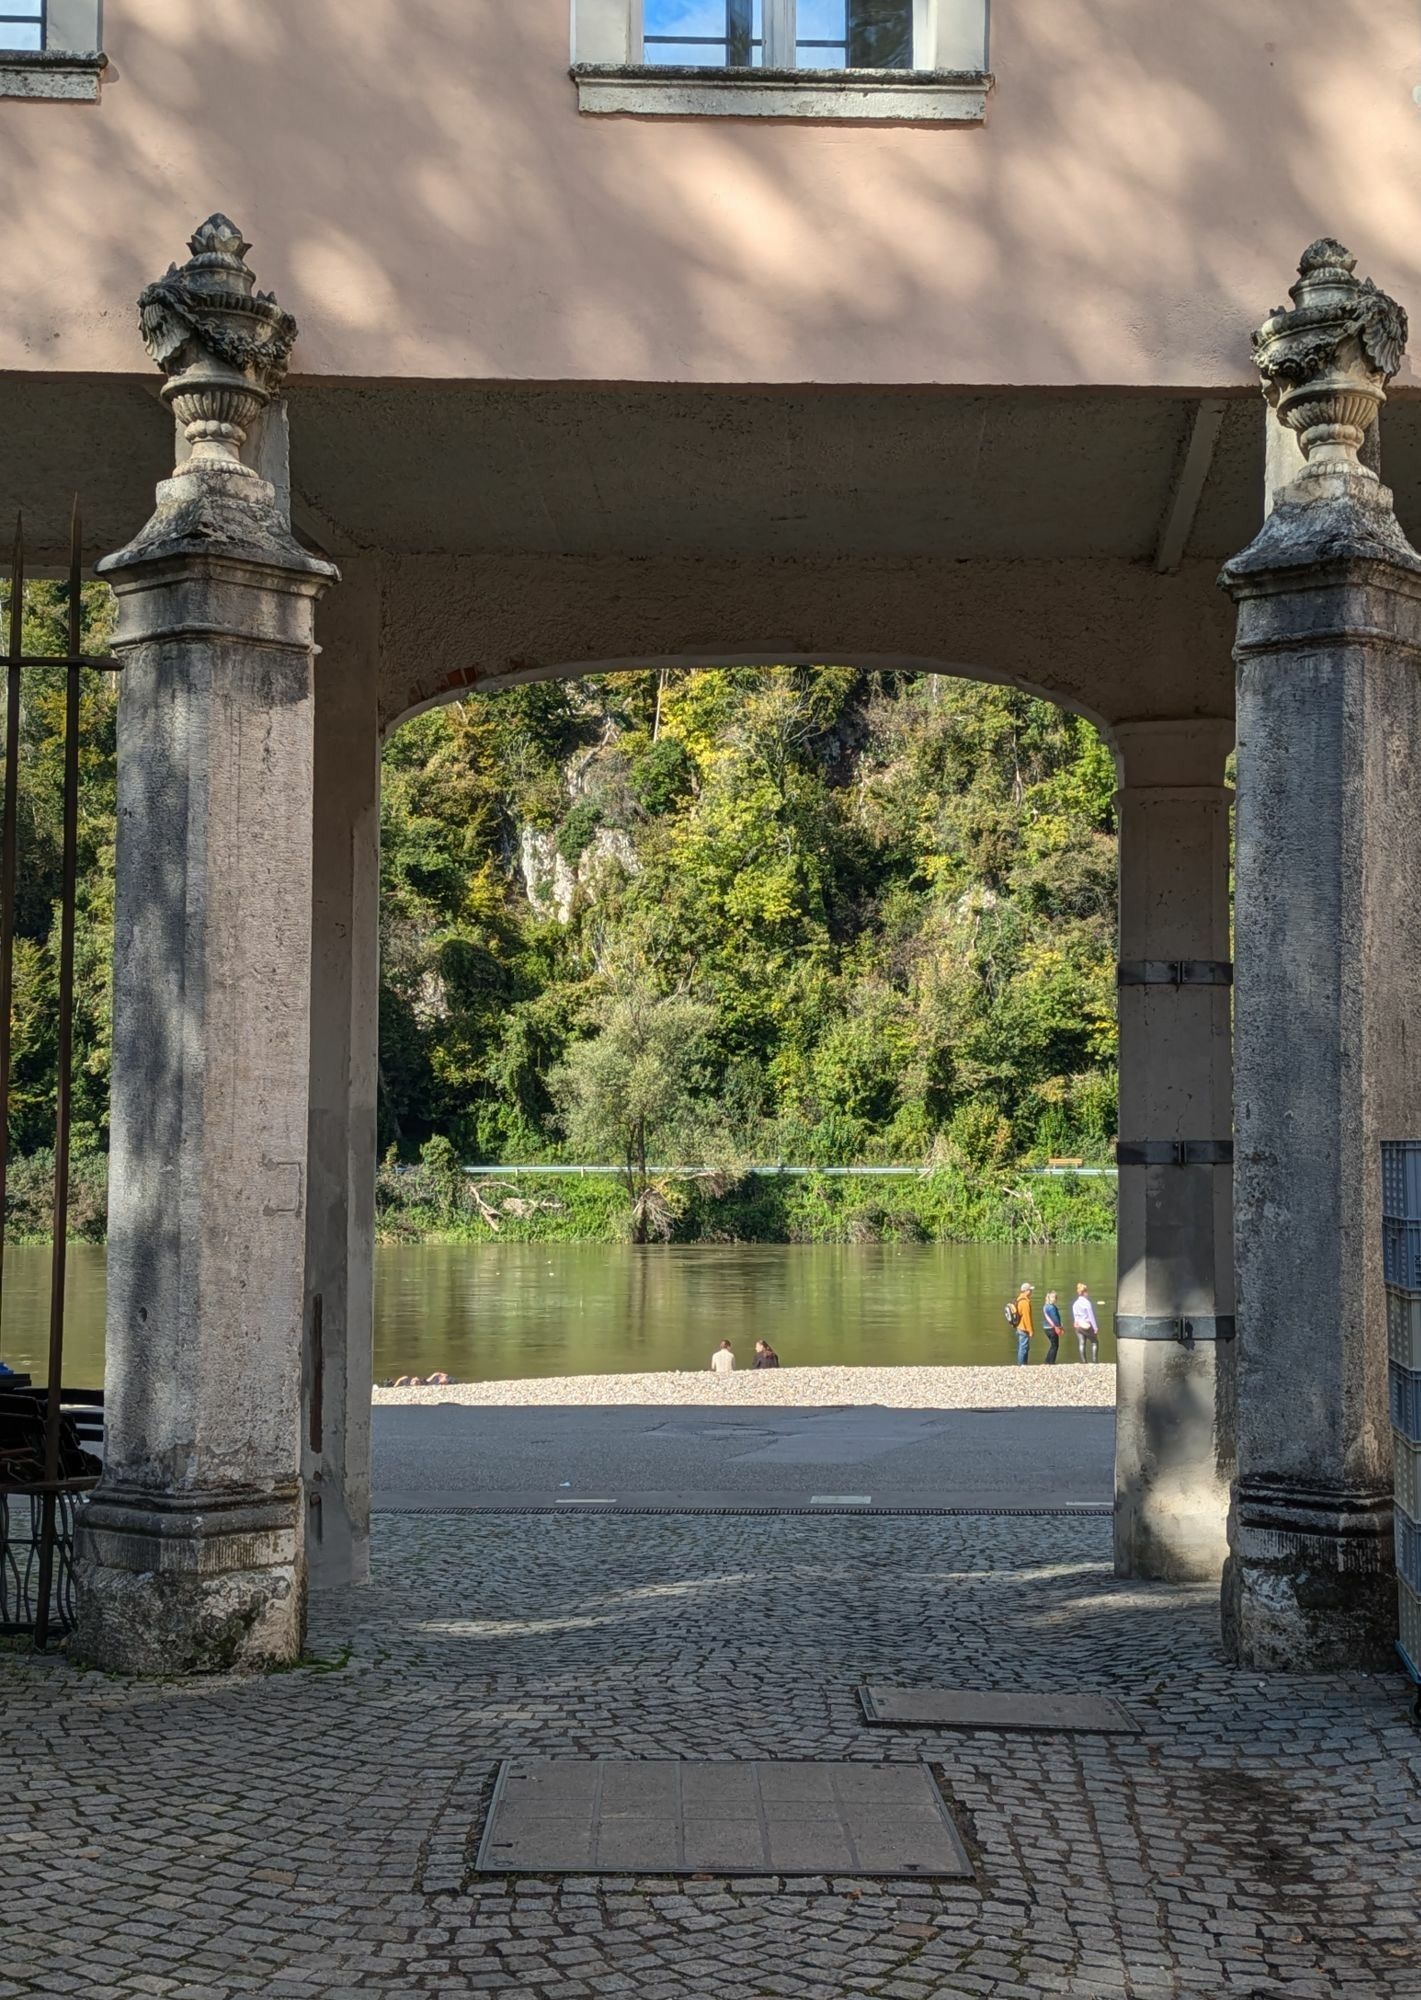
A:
64, 1080
8, 840
53, 1494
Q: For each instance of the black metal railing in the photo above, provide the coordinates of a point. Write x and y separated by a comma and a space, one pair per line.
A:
44, 1464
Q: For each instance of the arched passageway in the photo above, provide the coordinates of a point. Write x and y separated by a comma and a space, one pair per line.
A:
1174, 1248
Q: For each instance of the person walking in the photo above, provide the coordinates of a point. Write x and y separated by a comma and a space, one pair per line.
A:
1086, 1325
723, 1360
1051, 1314
1024, 1327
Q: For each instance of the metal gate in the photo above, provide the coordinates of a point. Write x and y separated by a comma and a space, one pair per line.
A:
45, 1468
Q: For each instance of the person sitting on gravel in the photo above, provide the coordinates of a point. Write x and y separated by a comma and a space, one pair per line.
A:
723, 1360
765, 1355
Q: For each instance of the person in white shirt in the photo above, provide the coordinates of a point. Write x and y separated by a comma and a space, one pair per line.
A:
723, 1360
1086, 1325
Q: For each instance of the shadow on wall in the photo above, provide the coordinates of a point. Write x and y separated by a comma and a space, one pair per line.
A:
425, 197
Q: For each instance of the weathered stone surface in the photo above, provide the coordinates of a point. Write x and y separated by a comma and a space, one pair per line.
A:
345, 973
191, 1550
1328, 919
1173, 1433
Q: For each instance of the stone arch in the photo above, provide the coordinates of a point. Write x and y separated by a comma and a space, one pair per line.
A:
1105, 639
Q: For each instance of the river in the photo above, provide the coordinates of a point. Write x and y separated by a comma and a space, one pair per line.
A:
485, 1312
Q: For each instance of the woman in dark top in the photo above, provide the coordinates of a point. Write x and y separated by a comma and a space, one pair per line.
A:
765, 1355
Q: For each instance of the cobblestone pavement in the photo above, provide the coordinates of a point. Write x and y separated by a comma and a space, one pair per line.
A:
310, 1835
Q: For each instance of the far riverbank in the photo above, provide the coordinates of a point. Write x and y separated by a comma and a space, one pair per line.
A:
955, 1202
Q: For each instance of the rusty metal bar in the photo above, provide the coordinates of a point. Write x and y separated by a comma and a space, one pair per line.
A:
64, 1081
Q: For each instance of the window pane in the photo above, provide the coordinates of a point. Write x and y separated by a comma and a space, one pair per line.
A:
21, 24
710, 33
865, 34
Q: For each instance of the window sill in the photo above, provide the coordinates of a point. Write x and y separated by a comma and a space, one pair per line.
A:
52, 73
645, 90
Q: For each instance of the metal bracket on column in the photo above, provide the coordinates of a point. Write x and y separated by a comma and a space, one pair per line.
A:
1174, 1153
1174, 972
1186, 1330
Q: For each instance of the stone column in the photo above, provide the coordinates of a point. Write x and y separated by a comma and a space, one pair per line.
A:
192, 1550
345, 977
1174, 1308
1328, 915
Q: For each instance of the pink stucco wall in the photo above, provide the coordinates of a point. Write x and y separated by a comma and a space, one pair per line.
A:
423, 193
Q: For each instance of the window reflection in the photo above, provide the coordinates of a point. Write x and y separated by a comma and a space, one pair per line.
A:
857, 34
715, 34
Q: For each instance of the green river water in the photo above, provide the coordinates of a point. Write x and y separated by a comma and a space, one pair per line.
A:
486, 1312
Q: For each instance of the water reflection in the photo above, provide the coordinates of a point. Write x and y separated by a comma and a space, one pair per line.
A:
486, 1311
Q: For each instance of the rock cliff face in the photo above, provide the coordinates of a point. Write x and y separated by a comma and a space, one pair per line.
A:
553, 885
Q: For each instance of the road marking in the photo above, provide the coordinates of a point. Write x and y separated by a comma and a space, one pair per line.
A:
840, 1499
587, 1503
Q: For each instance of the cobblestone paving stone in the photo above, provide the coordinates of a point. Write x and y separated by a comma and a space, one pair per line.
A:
310, 1835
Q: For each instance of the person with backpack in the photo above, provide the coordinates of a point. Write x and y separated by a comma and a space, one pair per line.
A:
1019, 1317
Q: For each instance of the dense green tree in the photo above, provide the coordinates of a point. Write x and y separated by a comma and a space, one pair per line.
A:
894, 897
852, 918
634, 1089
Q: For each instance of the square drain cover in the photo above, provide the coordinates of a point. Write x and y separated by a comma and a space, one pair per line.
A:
614, 1816
972, 1708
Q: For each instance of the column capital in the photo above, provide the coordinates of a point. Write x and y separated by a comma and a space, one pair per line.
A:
1172, 753
1325, 363
223, 347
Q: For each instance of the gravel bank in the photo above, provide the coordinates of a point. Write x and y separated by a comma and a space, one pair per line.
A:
1066, 1385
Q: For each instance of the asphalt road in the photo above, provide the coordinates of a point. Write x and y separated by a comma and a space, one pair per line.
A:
452, 1456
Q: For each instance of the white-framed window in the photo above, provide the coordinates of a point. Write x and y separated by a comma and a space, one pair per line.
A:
782, 58
51, 48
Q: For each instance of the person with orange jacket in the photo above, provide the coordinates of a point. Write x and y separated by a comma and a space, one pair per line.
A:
1024, 1327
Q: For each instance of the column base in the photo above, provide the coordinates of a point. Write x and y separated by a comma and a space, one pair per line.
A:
1310, 1583
1171, 1460
337, 1547
191, 1584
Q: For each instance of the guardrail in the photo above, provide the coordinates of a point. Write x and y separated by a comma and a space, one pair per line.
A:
773, 1173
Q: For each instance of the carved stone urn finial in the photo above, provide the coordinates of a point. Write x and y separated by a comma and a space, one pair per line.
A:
1326, 361
222, 344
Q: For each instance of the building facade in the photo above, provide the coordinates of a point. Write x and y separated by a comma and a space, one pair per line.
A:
645, 332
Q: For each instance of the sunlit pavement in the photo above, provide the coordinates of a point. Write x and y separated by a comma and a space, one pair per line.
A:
313, 1833
703, 1456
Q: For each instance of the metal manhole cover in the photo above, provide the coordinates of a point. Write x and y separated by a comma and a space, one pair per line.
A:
606, 1815
980, 1708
